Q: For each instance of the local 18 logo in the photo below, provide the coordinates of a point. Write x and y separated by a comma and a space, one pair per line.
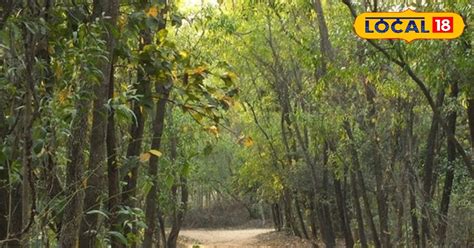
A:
409, 25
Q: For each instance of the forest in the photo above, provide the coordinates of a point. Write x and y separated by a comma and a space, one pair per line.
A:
125, 122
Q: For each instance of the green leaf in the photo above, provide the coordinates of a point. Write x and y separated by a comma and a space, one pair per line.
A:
186, 169
119, 236
98, 212
169, 181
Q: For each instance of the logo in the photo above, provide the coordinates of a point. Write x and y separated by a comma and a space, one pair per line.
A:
409, 25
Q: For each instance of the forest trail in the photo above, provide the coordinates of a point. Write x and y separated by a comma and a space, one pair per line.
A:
225, 238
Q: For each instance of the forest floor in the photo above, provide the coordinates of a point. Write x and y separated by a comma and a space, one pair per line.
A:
230, 238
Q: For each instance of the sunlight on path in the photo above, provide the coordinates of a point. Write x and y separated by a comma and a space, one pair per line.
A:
224, 238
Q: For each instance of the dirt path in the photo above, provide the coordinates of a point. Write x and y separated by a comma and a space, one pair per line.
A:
222, 238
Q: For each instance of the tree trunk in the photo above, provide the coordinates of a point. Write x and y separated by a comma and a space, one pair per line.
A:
470, 118
356, 203
300, 216
428, 174
314, 219
112, 169
277, 221
376, 162
27, 191
161, 232
73, 209
361, 183
179, 214
151, 198
4, 195
180, 205
412, 178
448, 181
329, 237
288, 209
4, 179
342, 209
325, 44
367, 207
136, 133
98, 149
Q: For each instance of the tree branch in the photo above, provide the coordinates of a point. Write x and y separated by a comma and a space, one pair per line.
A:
404, 66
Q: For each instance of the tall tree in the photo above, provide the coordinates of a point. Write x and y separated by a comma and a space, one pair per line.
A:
107, 12
449, 176
162, 90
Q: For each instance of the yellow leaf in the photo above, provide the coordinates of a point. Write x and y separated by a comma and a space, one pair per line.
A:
228, 100
58, 71
63, 95
230, 75
199, 70
183, 54
145, 156
152, 11
248, 142
122, 21
156, 152
214, 130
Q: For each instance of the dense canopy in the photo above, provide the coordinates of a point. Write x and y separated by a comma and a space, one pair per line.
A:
123, 121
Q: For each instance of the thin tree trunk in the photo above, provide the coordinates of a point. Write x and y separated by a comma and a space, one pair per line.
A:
277, 216
288, 209
27, 195
325, 44
181, 204
73, 209
4, 195
179, 215
4, 179
300, 216
367, 207
355, 185
312, 213
342, 209
151, 206
161, 232
448, 181
98, 146
136, 133
376, 161
411, 174
428, 174
330, 239
323, 214
151, 215
112, 169
470, 118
